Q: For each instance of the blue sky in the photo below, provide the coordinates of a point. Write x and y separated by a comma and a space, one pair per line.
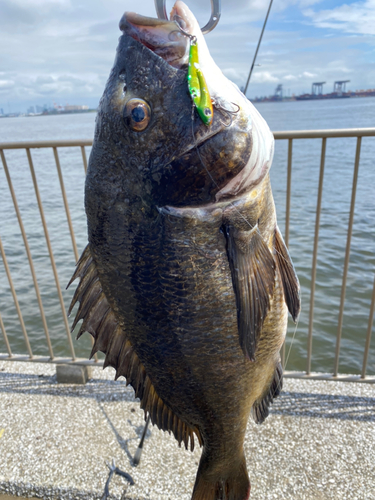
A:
62, 50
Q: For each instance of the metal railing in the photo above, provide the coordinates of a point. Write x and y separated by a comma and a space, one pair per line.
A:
27, 146
290, 136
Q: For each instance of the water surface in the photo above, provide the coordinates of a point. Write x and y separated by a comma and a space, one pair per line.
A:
345, 113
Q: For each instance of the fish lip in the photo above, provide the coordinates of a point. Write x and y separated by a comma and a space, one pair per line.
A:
155, 35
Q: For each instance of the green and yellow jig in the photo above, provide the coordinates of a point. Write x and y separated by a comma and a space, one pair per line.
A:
197, 85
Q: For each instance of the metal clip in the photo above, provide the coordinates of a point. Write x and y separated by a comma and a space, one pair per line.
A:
214, 19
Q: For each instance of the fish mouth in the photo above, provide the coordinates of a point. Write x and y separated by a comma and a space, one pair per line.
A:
161, 36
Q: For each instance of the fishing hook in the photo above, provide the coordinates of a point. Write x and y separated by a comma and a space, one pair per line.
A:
192, 38
212, 23
226, 112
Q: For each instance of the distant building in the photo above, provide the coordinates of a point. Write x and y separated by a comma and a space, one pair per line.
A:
1, 111
42, 109
73, 107
31, 110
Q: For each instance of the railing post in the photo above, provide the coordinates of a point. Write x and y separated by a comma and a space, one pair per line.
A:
28, 252
54, 269
287, 216
368, 336
84, 159
7, 345
13, 290
347, 256
288, 191
315, 255
66, 205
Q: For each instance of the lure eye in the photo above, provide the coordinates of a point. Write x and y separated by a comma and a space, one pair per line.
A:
137, 114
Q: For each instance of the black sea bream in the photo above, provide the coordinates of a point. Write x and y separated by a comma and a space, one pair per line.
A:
186, 281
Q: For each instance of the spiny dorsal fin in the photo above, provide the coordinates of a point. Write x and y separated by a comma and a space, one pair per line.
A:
288, 275
253, 276
83, 262
100, 321
260, 409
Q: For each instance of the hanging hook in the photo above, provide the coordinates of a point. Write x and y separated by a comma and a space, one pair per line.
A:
214, 19
192, 38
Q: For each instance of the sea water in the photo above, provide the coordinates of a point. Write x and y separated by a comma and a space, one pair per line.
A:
338, 177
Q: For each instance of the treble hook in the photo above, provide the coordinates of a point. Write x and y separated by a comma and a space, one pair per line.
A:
212, 23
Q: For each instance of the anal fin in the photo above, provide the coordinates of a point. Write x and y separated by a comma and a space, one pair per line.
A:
111, 339
288, 275
253, 275
260, 409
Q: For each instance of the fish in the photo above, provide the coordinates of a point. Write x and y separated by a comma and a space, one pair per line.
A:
186, 282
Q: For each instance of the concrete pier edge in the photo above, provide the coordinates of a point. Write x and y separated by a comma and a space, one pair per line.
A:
56, 440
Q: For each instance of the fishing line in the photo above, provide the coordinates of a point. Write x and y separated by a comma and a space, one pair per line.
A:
291, 344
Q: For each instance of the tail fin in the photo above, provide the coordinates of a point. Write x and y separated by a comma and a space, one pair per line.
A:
210, 484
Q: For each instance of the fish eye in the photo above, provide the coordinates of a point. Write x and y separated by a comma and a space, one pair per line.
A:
137, 114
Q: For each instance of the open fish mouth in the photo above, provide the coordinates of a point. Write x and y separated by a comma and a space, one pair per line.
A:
162, 37
237, 145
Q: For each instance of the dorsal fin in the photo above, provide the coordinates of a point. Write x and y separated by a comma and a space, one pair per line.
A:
288, 275
253, 276
260, 409
100, 321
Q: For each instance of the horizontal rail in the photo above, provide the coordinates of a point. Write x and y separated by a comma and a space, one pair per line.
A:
370, 379
283, 134
45, 144
55, 361
320, 134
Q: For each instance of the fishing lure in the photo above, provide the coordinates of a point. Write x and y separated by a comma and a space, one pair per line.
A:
197, 85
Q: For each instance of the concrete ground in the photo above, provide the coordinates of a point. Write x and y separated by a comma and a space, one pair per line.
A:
9, 497
56, 439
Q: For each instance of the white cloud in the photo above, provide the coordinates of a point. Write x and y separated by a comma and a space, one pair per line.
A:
264, 77
357, 17
6, 84
41, 3
283, 4
44, 79
65, 48
234, 74
307, 74
300, 76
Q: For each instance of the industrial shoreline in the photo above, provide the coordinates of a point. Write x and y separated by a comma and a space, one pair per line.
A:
339, 92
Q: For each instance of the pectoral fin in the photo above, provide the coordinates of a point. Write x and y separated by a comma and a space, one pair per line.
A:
288, 276
253, 276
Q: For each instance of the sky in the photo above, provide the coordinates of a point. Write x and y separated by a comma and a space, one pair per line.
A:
61, 51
